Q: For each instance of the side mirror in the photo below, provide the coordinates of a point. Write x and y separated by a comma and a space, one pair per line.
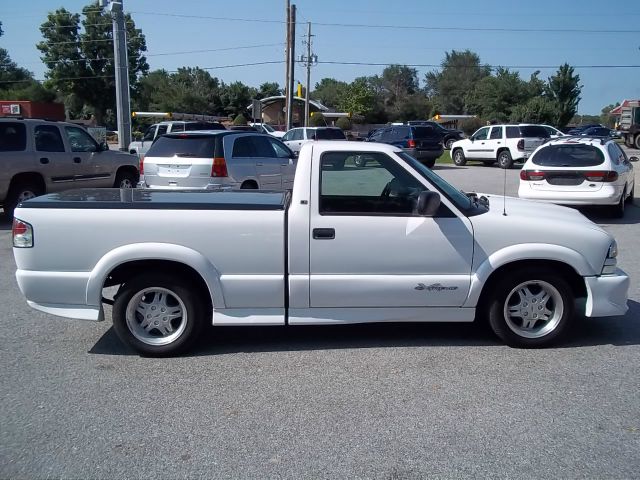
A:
296, 154
633, 159
427, 204
471, 138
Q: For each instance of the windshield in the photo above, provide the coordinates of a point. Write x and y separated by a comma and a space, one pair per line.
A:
568, 156
460, 199
268, 127
329, 134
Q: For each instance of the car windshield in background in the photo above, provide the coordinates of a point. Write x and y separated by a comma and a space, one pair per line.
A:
330, 134
424, 132
459, 198
13, 137
533, 131
268, 127
187, 146
568, 156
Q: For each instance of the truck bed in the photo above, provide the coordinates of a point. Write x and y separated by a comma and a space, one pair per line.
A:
138, 199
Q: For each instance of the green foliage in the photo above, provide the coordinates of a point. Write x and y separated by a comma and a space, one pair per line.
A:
79, 57
564, 89
470, 125
357, 98
460, 72
495, 96
317, 120
328, 91
240, 120
268, 89
606, 119
235, 97
536, 110
344, 123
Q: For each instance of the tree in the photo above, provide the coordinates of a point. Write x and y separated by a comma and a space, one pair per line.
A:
494, 97
328, 91
268, 89
536, 110
460, 72
235, 97
317, 120
240, 120
399, 81
343, 123
564, 89
605, 118
357, 98
79, 58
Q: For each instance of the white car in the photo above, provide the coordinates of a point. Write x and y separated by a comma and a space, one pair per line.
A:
297, 137
504, 144
579, 171
268, 129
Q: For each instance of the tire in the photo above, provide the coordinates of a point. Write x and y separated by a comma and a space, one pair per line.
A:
19, 193
249, 185
637, 141
629, 199
430, 163
515, 299
459, 158
125, 180
151, 294
617, 211
448, 143
504, 159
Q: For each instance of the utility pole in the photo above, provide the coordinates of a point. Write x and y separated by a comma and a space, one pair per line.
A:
292, 63
309, 60
286, 61
123, 105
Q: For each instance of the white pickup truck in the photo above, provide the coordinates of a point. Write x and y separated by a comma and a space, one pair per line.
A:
388, 242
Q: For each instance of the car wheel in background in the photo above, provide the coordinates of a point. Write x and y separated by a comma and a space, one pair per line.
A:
360, 161
531, 308
459, 158
158, 315
504, 159
19, 193
448, 143
249, 185
617, 211
125, 180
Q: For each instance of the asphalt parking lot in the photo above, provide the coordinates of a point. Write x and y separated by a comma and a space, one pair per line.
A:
368, 401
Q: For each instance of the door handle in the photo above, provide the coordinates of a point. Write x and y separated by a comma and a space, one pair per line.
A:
324, 233
77, 159
44, 160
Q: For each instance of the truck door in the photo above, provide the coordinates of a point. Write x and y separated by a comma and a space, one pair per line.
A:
92, 170
479, 148
53, 161
369, 250
493, 143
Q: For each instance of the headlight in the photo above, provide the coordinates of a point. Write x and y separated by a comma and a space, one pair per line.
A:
610, 262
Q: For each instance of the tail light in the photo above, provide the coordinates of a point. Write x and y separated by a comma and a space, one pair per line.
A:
22, 234
411, 143
521, 144
531, 175
219, 167
606, 176
141, 165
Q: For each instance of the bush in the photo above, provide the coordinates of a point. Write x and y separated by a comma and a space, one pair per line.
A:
344, 123
317, 120
470, 125
240, 120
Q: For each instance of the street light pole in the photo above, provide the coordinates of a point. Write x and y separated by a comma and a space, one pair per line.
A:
292, 63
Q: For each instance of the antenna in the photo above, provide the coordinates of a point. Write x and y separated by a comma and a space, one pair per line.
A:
504, 194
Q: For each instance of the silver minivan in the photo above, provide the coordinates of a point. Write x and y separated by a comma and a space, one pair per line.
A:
218, 160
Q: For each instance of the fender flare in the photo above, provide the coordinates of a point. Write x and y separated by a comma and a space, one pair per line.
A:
525, 252
154, 251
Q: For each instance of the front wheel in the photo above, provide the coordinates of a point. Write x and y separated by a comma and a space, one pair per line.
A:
158, 315
637, 141
532, 308
449, 143
458, 158
125, 180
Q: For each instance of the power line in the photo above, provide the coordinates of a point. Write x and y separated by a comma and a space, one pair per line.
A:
493, 67
272, 62
228, 19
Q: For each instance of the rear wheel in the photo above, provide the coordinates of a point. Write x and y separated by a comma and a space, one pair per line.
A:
504, 159
249, 185
637, 141
125, 180
449, 143
631, 194
617, 211
459, 158
158, 315
531, 308
20, 193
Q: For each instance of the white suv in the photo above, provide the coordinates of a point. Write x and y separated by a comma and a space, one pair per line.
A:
579, 171
504, 144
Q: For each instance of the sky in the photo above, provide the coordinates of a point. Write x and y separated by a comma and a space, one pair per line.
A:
412, 32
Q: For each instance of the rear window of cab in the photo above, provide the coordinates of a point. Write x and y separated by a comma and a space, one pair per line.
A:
578, 155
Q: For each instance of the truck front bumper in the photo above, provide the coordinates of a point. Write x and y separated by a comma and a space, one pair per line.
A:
607, 295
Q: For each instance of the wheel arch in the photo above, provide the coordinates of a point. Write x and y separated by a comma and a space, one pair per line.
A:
502, 149
121, 263
24, 177
128, 169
